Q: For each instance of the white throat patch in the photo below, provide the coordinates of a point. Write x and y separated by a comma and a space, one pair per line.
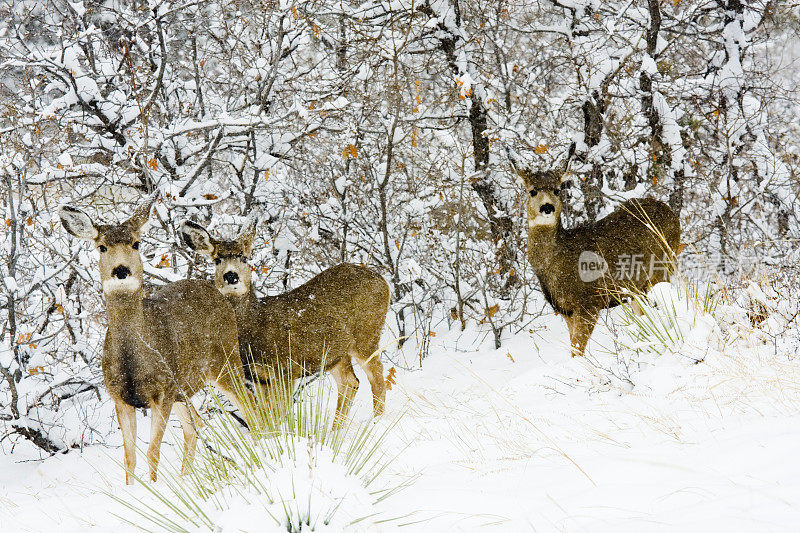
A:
543, 220
129, 284
233, 290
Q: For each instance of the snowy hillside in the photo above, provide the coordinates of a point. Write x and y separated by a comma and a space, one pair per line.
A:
524, 439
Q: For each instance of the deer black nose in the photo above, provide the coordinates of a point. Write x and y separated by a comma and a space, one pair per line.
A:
232, 278
547, 209
121, 272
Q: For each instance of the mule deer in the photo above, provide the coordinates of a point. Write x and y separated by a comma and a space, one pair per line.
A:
335, 316
160, 350
586, 269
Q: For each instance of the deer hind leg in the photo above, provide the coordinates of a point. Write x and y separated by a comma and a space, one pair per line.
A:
159, 412
347, 385
371, 363
126, 417
190, 421
636, 306
581, 325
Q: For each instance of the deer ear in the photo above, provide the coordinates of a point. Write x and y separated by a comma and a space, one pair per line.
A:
141, 215
525, 175
248, 233
77, 223
197, 238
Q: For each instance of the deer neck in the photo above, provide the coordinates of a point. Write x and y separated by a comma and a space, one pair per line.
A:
542, 245
243, 304
125, 313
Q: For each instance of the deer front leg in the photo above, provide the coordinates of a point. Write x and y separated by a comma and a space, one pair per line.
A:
273, 396
581, 324
230, 382
159, 412
126, 417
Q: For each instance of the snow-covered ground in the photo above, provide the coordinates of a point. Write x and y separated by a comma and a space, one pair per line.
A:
526, 438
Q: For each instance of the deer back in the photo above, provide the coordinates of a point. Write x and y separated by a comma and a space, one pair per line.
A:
632, 248
318, 323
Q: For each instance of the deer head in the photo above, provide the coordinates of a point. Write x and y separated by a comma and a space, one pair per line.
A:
118, 244
544, 201
232, 274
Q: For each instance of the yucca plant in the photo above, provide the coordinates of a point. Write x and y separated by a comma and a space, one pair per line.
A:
299, 471
660, 322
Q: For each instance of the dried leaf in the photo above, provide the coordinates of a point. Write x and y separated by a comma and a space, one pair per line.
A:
350, 152
391, 378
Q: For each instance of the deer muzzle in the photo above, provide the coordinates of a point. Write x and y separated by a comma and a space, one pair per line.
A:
121, 272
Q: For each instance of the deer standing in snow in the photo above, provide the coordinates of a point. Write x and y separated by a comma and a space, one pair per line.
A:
336, 316
162, 349
586, 269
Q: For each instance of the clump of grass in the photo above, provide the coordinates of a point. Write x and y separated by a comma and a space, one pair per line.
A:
298, 471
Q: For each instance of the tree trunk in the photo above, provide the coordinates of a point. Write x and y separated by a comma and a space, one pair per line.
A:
593, 109
501, 224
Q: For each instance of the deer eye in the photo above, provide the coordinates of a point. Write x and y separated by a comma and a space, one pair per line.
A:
243, 259
136, 245
533, 193
102, 248
556, 191
217, 261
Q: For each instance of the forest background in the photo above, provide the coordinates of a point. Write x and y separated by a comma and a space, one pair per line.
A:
379, 132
